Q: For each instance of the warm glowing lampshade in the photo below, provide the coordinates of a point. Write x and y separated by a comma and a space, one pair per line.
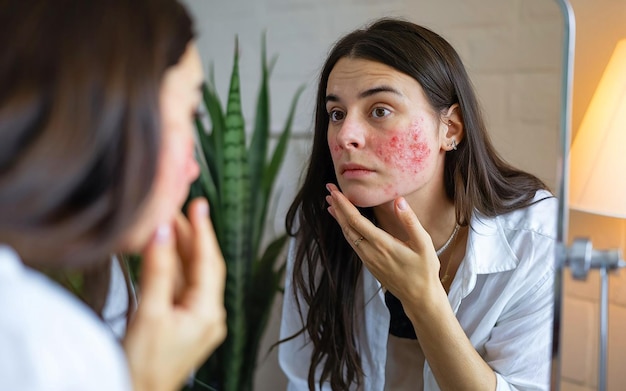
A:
598, 154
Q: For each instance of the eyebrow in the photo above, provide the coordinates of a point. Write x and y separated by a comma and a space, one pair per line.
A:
367, 93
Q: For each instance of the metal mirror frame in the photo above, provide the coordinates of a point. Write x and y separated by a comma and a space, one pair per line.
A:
569, 37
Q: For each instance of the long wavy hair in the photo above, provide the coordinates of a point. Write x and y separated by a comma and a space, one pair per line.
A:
79, 122
326, 269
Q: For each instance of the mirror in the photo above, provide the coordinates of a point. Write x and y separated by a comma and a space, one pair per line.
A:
512, 50
598, 28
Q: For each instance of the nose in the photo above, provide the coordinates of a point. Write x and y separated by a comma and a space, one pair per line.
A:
351, 133
193, 170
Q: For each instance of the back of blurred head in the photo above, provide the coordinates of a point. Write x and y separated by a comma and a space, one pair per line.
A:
79, 120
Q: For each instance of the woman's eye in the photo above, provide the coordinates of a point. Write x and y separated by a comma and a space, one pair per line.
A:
380, 112
336, 115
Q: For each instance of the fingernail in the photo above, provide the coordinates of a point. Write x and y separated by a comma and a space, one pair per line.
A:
162, 233
402, 204
328, 187
203, 208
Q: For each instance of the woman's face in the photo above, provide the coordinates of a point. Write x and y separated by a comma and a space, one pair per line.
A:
384, 137
176, 168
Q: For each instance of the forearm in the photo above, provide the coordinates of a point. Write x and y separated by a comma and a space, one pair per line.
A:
455, 363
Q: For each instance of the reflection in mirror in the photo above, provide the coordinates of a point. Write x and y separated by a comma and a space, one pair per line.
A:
511, 49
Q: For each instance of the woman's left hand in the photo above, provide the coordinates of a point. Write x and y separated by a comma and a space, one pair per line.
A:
180, 318
410, 269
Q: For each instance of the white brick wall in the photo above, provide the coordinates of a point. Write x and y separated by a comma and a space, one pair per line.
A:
511, 49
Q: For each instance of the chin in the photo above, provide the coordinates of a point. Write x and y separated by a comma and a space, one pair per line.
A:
141, 233
368, 195
135, 240
366, 200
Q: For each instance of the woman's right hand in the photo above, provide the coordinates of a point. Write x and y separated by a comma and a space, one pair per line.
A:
408, 269
180, 318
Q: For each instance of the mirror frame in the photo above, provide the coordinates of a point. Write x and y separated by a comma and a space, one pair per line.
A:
569, 38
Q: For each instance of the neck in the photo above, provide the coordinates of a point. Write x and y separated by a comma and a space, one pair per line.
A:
436, 214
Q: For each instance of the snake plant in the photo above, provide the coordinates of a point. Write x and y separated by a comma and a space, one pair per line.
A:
237, 178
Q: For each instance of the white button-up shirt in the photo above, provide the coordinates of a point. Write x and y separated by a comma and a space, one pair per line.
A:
51, 341
502, 296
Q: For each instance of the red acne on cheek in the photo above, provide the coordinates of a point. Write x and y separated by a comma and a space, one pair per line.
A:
405, 149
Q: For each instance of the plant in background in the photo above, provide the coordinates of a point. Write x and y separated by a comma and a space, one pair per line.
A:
237, 178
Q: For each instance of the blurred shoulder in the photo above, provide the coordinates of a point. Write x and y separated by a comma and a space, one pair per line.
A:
51, 340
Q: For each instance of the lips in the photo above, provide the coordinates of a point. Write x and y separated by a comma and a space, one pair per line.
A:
353, 167
353, 170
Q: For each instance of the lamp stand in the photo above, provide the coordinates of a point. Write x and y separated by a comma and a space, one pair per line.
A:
581, 257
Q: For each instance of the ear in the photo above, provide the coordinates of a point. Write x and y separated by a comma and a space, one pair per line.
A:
452, 127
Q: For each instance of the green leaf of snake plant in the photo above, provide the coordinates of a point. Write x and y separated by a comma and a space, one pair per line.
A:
205, 185
272, 169
238, 212
214, 147
258, 150
235, 196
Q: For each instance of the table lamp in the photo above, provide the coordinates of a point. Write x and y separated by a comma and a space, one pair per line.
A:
598, 154
597, 185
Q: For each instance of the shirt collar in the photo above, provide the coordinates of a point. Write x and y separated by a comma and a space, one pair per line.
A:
488, 249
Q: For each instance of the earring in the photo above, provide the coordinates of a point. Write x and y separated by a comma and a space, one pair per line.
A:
453, 143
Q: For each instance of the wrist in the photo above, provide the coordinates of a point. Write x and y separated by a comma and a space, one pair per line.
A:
430, 303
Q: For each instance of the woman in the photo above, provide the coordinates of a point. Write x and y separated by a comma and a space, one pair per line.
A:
97, 101
421, 259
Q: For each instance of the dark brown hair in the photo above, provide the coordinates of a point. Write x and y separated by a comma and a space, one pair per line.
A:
326, 270
79, 120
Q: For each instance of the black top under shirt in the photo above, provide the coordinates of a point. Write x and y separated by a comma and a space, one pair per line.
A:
400, 325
